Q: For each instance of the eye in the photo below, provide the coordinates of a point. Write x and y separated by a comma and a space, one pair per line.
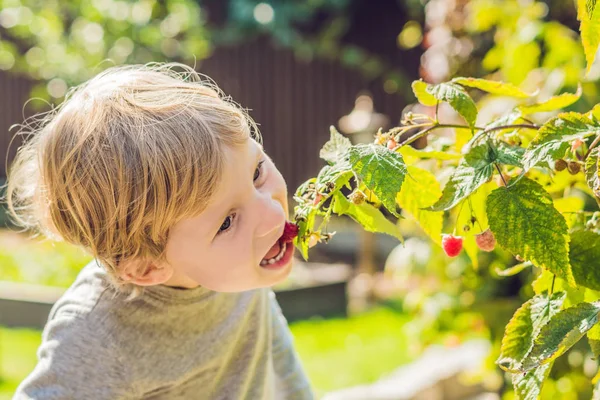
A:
258, 171
226, 224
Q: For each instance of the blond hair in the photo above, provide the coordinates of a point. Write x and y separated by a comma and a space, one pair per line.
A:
126, 156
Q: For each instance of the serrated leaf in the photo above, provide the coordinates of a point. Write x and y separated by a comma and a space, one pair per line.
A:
592, 170
476, 169
381, 170
594, 340
568, 207
560, 333
508, 154
584, 254
529, 385
421, 190
524, 326
423, 96
525, 222
336, 147
590, 30
553, 103
556, 136
457, 97
365, 214
493, 87
337, 174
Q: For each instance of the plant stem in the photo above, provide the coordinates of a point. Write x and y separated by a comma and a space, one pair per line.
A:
424, 132
552, 287
594, 144
501, 175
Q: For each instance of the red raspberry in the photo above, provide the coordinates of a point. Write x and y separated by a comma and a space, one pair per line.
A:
289, 232
486, 240
452, 245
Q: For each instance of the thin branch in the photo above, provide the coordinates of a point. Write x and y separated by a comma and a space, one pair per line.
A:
424, 132
501, 175
594, 144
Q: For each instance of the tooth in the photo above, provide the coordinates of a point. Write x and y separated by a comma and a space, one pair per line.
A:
271, 261
263, 262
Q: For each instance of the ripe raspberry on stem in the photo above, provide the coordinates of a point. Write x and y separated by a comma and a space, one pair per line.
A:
290, 231
452, 245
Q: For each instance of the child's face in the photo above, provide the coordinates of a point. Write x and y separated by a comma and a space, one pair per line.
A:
222, 248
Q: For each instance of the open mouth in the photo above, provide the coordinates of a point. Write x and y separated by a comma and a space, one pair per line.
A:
281, 252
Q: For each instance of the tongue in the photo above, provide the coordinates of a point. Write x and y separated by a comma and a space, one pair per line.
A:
274, 251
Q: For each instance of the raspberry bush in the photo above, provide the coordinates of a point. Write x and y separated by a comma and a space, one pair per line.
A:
523, 181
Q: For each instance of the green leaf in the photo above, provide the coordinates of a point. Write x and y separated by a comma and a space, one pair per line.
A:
365, 214
381, 170
493, 87
420, 90
590, 6
526, 223
562, 331
592, 170
584, 254
554, 103
524, 326
471, 173
593, 336
508, 154
336, 147
306, 222
556, 136
421, 190
528, 386
333, 177
590, 30
457, 97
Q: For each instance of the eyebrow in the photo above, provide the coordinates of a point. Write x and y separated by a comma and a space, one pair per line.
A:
214, 228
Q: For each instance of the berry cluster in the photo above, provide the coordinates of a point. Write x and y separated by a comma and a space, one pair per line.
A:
453, 245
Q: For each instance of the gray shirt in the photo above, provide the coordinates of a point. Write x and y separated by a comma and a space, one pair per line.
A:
166, 344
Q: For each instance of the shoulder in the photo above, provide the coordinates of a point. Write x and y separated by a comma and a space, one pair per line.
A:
83, 296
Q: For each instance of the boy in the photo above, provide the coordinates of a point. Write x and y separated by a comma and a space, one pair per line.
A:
164, 181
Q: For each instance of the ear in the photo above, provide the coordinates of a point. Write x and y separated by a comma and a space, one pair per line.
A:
145, 273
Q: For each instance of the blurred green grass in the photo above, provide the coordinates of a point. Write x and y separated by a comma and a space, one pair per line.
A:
17, 357
336, 353
39, 261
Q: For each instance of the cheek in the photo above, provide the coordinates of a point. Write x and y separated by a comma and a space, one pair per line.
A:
225, 262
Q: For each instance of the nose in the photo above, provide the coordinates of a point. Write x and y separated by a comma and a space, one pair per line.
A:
271, 216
